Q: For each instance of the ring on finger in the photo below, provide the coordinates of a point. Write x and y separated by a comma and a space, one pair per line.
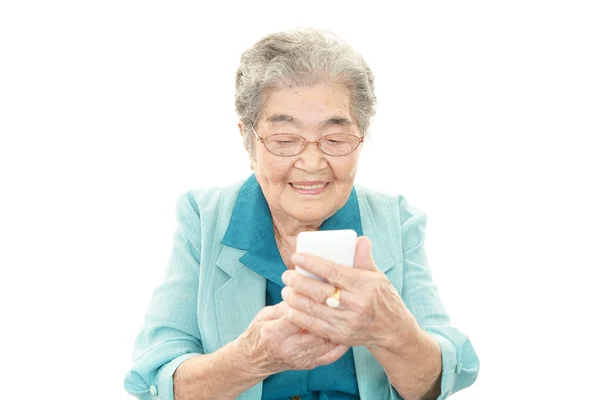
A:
333, 301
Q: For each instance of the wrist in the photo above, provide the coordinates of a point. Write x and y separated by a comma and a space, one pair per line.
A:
412, 362
400, 339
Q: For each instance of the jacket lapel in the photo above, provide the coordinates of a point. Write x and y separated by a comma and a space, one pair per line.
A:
372, 380
237, 302
370, 376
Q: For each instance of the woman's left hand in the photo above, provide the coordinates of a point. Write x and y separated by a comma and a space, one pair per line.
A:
371, 312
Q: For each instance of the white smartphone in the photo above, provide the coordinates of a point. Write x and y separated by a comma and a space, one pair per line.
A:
337, 246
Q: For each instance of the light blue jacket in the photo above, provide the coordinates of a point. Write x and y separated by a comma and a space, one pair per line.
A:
183, 321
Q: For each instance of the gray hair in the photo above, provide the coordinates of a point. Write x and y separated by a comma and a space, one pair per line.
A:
302, 57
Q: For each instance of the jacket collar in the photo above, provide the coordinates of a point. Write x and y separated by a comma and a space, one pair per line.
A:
251, 229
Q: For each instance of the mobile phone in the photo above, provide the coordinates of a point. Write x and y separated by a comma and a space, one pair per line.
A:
337, 246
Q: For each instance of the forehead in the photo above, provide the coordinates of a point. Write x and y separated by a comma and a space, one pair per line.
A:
321, 104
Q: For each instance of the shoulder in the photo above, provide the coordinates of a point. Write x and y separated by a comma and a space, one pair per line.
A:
393, 212
205, 206
211, 199
381, 202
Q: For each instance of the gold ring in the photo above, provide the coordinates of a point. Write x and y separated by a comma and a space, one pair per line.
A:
333, 301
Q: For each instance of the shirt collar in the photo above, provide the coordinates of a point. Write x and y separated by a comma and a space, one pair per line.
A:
251, 229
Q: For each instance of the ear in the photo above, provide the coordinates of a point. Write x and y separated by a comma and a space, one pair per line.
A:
241, 128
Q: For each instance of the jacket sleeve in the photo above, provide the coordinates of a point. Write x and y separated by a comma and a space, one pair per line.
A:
170, 333
460, 364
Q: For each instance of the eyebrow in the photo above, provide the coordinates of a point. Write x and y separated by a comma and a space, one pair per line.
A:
334, 120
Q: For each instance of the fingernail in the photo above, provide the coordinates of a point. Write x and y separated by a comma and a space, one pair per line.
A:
284, 276
284, 292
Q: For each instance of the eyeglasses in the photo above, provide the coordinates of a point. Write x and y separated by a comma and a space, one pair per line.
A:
289, 144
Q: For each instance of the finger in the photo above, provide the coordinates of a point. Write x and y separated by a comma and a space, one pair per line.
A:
363, 257
336, 274
270, 313
316, 309
287, 327
333, 355
284, 325
316, 326
312, 288
314, 344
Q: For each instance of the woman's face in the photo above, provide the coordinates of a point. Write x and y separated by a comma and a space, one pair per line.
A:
310, 112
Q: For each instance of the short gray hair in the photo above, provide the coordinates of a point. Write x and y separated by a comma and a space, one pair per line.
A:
302, 57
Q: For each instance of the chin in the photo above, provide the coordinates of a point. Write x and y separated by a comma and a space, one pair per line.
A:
310, 215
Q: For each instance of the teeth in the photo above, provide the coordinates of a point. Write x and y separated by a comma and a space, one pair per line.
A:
309, 187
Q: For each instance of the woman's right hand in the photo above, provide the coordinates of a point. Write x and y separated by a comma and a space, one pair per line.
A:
272, 344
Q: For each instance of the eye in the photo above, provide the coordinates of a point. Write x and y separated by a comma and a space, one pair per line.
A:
285, 140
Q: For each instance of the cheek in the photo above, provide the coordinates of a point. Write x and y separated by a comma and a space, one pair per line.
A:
280, 171
345, 171
275, 171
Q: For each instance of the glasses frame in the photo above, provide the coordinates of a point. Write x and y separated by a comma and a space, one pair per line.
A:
361, 140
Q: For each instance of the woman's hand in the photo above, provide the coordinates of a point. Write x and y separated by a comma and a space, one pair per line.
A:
371, 312
272, 344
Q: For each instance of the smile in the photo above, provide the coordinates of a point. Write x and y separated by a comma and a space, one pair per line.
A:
310, 189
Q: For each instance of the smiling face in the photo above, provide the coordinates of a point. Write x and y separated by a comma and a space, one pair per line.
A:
325, 181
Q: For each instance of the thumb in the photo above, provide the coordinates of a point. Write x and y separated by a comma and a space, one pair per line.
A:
363, 259
270, 313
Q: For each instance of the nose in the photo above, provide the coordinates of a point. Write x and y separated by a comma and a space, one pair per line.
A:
312, 159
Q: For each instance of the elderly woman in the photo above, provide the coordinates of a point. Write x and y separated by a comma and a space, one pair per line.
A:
233, 319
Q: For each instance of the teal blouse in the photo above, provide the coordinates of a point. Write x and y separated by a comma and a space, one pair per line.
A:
251, 215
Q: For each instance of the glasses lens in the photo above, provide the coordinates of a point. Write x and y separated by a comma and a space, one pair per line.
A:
339, 144
283, 144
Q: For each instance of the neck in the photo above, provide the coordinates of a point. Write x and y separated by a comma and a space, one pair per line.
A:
286, 229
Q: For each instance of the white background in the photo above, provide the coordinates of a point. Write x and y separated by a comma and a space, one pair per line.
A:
488, 119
